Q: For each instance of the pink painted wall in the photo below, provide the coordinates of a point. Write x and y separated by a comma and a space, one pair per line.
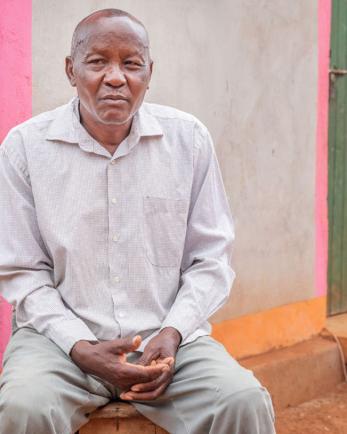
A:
324, 19
15, 92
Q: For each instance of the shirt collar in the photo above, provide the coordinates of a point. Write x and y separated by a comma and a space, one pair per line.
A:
66, 126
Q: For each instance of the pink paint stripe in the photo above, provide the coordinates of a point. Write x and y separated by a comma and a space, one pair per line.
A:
15, 92
321, 266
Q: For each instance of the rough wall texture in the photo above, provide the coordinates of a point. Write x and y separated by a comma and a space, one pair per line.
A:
248, 70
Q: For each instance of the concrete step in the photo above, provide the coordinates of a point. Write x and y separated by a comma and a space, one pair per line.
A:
299, 373
324, 415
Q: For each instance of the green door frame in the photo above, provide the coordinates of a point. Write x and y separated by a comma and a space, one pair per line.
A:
337, 163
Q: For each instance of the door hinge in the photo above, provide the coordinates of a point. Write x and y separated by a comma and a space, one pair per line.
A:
337, 71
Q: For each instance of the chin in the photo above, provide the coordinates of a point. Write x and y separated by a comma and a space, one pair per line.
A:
112, 119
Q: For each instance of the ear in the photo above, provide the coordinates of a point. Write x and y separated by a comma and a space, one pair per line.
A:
69, 70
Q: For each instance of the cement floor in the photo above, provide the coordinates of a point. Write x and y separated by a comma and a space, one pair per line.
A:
325, 415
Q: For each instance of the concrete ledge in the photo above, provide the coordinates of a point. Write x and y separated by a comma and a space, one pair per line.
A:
298, 373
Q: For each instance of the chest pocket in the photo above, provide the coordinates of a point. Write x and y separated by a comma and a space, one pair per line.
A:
165, 223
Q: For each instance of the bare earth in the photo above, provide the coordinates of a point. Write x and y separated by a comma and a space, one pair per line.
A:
325, 415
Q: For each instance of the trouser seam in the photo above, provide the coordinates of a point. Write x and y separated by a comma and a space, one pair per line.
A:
180, 416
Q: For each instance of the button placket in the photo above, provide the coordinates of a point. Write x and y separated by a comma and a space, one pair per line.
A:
117, 255
114, 220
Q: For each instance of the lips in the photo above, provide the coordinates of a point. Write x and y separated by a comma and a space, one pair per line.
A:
114, 98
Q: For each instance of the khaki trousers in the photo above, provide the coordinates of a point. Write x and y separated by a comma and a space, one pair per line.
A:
43, 392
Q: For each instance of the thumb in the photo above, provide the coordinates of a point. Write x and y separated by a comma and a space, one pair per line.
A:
125, 345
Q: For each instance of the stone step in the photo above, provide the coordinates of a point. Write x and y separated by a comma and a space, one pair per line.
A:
300, 372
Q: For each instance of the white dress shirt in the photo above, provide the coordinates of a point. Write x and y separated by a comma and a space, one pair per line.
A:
96, 246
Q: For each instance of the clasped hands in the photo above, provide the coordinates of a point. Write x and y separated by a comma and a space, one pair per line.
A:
146, 379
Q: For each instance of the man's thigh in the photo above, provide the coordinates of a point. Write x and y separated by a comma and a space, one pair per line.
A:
42, 383
208, 389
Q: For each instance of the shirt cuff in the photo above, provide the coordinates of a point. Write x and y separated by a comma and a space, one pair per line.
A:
184, 327
67, 332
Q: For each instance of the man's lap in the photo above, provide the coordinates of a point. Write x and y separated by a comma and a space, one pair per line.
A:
205, 374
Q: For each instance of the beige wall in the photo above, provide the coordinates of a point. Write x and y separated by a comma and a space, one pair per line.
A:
248, 70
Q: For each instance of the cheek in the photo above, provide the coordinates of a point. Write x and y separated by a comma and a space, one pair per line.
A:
139, 83
87, 82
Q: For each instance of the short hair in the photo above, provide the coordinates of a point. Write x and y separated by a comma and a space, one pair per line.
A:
76, 38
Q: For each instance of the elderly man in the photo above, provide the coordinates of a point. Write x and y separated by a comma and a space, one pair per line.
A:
115, 246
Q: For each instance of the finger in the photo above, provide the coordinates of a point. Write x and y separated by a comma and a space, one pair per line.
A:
126, 345
168, 361
145, 396
141, 374
148, 356
152, 385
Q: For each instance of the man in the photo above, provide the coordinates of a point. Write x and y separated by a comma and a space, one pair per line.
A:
115, 248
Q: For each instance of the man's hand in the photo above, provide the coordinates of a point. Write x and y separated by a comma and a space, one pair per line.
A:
161, 349
107, 360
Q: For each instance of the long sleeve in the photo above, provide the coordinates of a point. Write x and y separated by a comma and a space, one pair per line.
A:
206, 276
26, 270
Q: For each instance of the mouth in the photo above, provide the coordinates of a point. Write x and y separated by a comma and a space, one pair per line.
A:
114, 98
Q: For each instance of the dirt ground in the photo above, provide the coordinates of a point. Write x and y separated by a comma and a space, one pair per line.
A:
325, 415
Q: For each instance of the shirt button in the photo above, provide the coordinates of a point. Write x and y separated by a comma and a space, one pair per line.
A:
115, 237
116, 279
121, 314
113, 162
114, 200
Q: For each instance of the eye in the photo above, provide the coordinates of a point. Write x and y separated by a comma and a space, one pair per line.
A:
96, 61
134, 64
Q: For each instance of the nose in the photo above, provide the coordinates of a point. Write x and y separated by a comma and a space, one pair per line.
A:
114, 76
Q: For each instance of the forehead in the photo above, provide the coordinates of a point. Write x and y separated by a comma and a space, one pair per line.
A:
111, 32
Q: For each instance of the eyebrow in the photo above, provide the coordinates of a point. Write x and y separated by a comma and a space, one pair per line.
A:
94, 51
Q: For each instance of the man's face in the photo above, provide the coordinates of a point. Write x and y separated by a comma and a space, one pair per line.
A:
111, 69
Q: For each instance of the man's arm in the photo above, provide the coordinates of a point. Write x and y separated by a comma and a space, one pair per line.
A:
206, 276
26, 269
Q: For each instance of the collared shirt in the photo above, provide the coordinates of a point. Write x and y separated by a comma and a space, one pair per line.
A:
97, 246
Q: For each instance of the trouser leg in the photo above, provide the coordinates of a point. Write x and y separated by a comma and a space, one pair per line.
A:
211, 394
42, 391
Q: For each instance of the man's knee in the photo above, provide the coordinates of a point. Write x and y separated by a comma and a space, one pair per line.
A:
251, 406
255, 399
33, 406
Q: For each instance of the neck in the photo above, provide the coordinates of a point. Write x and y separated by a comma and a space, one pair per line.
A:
109, 136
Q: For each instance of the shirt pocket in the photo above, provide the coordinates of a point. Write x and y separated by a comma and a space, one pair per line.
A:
165, 224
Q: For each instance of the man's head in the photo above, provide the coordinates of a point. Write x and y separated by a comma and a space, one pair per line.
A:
110, 66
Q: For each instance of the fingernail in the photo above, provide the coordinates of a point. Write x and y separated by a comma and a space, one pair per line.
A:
135, 389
